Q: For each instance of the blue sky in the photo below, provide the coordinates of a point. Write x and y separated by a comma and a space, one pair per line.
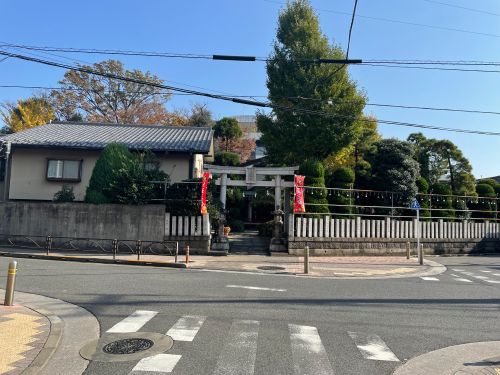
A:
248, 28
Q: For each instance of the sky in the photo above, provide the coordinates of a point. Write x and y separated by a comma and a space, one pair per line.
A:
383, 29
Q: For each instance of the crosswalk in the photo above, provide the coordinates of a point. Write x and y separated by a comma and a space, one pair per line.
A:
461, 275
240, 343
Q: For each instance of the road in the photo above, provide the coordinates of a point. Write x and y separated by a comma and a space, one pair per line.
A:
236, 323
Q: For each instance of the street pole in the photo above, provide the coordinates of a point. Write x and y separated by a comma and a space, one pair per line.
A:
11, 281
419, 250
306, 260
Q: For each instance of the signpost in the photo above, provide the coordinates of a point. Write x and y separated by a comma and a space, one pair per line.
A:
414, 205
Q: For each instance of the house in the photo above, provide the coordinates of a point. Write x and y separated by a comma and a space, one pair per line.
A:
38, 161
248, 125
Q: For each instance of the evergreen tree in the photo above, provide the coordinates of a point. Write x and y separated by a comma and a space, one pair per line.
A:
293, 136
316, 195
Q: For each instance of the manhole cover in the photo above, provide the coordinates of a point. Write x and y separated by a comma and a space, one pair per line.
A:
127, 346
271, 268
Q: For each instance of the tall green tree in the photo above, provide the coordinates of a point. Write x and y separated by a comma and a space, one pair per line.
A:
293, 136
395, 169
442, 159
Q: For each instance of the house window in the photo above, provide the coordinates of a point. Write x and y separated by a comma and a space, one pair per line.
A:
64, 170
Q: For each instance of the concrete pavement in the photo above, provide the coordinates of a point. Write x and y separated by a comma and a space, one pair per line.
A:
52, 330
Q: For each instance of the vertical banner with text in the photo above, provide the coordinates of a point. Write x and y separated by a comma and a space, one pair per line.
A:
204, 185
299, 205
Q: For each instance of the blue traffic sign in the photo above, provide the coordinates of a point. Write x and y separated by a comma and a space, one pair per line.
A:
414, 205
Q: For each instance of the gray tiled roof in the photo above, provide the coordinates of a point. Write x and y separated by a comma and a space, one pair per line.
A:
97, 136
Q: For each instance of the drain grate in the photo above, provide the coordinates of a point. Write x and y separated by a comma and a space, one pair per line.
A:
127, 346
271, 268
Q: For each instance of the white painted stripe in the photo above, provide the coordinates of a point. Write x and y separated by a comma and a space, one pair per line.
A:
427, 278
373, 347
492, 281
496, 274
458, 278
133, 322
158, 363
458, 269
255, 288
186, 328
240, 350
480, 277
308, 353
486, 271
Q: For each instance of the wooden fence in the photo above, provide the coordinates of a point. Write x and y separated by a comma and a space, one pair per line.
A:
328, 227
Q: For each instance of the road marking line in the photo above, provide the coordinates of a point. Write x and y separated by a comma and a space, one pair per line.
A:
458, 269
463, 280
158, 363
308, 353
427, 278
486, 271
240, 350
133, 322
255, 288
492, 281
480, 277
458, 278
186, 328
496, 274
373, 347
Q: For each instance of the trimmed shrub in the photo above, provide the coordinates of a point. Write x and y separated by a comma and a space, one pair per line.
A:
342, 178
484, 190
423, 188
230, 159
65, 194
236, 225
315, 198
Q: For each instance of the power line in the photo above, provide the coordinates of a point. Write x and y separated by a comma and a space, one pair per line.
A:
330, 101
399, 21
401, 64
238, 100
350, 28
462, 7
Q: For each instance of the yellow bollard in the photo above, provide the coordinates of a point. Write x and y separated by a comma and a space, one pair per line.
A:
11, 280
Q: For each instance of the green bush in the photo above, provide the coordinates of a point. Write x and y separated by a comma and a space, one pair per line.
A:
66, 194
110, 162
266, 229
236, 225
227, 158
485, 190
423, 185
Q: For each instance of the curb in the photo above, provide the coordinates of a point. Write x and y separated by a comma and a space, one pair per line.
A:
93, 260
453, 360
50, 346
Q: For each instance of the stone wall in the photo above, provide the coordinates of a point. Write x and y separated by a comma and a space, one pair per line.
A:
83, 220
380, 246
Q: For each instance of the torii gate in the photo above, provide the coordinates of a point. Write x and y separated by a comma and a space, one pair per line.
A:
252, 180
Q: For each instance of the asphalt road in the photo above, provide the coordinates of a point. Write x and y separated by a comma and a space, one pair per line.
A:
296, 325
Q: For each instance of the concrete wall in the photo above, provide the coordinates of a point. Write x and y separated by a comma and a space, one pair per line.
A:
83, 220
29, 167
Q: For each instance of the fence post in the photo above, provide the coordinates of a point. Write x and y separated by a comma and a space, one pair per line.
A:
11, 281
114, 245
407, 250
138, 248
306, 260
48, 244
187, 255
176, 251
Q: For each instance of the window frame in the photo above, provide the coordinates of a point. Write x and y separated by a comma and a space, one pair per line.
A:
59, 179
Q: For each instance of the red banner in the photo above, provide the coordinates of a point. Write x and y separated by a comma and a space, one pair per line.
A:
204, 185
299, 205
